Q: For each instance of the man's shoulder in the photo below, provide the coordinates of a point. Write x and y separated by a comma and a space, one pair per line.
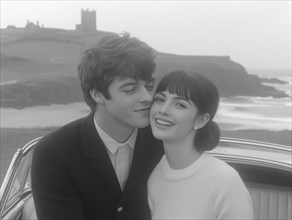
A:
147, 131
63, 136
146, 134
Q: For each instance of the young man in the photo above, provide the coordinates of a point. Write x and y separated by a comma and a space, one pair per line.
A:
97, 167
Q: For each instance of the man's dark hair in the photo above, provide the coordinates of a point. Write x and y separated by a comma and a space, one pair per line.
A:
114, 56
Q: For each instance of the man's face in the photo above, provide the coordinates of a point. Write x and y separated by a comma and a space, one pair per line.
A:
129, 103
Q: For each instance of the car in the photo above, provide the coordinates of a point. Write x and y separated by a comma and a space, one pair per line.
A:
264, 167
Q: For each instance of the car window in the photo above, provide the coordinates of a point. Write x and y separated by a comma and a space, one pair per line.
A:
20, 179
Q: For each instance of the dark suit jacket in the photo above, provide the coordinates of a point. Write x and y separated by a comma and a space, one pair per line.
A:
73, 178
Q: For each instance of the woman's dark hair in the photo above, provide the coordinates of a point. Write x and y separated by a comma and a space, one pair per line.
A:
204, 94
114, 56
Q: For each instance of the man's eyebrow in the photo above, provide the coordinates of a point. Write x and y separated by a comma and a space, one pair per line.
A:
150, 80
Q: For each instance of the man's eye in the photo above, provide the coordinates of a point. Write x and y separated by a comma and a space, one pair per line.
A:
130, 90
149, 88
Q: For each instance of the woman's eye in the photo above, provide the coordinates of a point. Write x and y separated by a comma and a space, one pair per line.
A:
180, 105
157, 99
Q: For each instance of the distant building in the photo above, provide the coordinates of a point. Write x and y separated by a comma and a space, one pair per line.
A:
88, 21
30, 28
88, 24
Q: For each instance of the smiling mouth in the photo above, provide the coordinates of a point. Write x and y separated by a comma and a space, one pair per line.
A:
163, 122
142, 109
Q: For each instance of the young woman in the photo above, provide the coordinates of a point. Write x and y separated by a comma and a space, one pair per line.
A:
188, 182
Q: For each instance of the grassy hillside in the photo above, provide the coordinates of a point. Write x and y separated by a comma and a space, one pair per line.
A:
12, 139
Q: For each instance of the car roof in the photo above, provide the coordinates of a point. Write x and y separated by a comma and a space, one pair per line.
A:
256, 152
239, 151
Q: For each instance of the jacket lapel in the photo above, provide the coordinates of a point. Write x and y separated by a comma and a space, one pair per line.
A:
97, 155
147, 154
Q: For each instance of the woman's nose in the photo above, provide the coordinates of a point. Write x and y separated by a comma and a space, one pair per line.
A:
164, 110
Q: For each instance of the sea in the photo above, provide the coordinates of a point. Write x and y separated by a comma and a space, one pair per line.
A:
237, 113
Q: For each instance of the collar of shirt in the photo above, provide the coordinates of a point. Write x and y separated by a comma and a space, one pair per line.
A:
111, 144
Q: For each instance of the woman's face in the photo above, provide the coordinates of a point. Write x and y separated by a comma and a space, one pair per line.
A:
172, 117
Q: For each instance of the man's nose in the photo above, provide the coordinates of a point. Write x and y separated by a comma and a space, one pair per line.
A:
146, 96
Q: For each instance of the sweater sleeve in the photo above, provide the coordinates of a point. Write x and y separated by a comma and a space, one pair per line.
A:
233, 201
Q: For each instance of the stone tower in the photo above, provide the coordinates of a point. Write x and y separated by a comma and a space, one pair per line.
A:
88, 21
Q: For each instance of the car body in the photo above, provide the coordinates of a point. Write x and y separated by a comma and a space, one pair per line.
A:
264, 167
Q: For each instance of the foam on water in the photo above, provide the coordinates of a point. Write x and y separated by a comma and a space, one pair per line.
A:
255, 113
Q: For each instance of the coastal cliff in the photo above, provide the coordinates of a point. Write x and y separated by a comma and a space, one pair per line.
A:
42, 70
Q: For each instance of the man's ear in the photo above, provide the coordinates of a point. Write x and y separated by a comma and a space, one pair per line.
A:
202, 121
97, 96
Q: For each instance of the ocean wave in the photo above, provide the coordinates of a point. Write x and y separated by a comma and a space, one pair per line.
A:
8, 82
229, 104
230, 124
250, 116
256, 101
250, 121
271, 101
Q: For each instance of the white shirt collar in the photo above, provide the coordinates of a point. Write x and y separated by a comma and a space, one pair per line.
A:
111, 144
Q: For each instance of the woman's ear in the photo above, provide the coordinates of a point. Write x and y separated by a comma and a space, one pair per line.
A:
202, 121
97, 96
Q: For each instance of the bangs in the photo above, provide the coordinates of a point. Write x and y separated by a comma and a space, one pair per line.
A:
191, 86
176, 83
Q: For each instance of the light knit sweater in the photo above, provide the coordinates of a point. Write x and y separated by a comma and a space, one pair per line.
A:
207, 189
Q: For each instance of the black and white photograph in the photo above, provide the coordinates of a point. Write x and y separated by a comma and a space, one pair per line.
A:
146, 110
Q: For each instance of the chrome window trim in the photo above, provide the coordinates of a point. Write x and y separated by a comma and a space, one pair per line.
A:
254, 161
261, 144
11, 175
242, 144
4, 191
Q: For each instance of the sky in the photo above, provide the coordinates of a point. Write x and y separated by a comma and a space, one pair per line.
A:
256, 34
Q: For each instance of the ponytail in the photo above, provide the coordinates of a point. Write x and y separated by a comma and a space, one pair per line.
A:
207, 137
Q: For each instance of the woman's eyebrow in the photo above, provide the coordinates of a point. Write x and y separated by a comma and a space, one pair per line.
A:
160, 93
182, 98
175, 98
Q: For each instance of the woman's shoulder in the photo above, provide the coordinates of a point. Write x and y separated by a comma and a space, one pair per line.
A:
220, 169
